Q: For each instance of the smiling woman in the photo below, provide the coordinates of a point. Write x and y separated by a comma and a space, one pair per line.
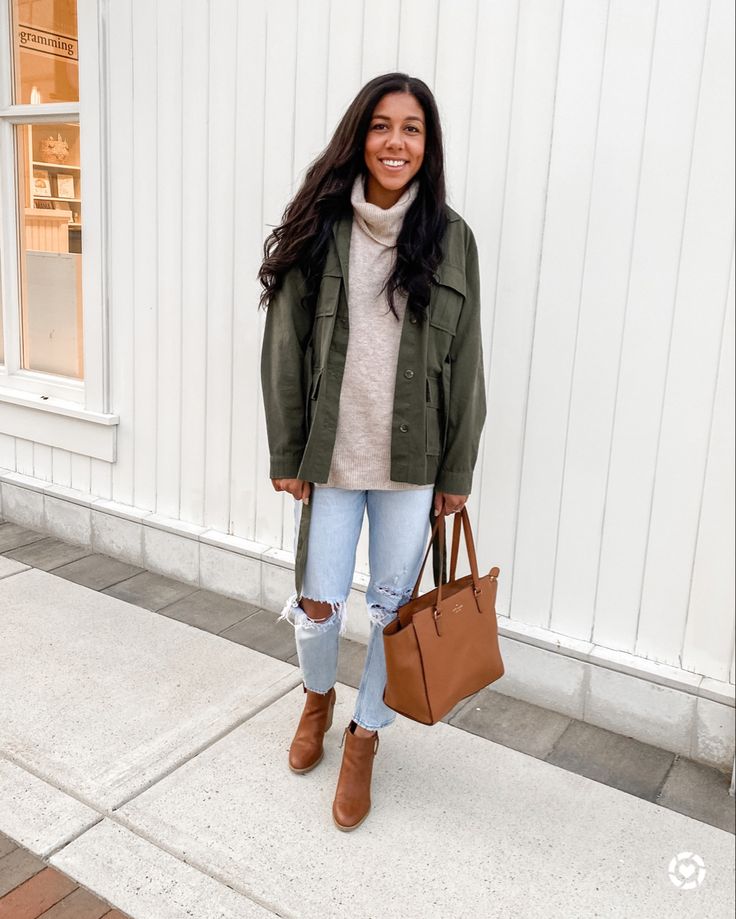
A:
374, 392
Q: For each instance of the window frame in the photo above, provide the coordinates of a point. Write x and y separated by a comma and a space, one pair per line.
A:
77, 401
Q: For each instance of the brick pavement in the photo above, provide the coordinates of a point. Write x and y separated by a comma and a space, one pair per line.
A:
31, 889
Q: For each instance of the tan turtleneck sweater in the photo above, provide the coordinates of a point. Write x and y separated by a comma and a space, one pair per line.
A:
362, 453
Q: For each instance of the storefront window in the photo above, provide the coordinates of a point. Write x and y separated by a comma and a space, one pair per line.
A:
45, 59
50, 222
48, 168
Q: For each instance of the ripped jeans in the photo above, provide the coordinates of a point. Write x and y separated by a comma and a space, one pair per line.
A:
398, 522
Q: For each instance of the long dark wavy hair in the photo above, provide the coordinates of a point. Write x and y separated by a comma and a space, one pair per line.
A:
303, 236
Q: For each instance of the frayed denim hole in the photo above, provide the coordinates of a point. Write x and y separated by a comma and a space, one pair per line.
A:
338, 615
289, 610
380, 614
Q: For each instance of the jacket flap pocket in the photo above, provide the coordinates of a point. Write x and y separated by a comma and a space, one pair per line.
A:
452, 276
329, 294
448, 298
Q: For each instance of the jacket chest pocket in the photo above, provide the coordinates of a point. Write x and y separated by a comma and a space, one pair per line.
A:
324, 315
444, 314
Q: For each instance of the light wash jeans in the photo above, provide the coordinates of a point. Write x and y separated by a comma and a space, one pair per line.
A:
399, 529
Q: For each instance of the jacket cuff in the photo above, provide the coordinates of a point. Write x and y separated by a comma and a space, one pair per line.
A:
454, 483
284, 467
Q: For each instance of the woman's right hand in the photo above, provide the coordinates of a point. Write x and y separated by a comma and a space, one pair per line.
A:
300, 489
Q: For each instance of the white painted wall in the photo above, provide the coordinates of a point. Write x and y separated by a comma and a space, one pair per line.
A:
590, 145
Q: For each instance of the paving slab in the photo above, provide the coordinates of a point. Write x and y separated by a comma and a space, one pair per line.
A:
147, 882
701, 792
36, 814
210, 611
49, 553
150, 590
101, 698
9, 566
460, 826
13, 535
97, 571
512, 722
623, 762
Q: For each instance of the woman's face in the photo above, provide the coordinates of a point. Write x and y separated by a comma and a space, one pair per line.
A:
396, 134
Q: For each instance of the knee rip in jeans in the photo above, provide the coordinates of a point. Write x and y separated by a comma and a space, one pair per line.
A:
380, 614
295, 614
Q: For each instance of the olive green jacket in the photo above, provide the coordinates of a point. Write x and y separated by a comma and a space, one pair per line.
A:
439, 402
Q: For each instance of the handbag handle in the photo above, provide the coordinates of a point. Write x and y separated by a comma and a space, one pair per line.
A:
440, 519
461, 516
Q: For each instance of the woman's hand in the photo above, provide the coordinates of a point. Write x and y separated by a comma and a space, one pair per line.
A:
445, 503
300, 489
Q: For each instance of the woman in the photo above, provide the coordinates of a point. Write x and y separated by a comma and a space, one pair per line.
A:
372, 377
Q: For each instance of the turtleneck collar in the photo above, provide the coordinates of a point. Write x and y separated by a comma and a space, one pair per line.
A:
381, 224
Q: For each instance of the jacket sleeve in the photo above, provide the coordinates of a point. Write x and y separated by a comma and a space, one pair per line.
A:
467, 402
286, 336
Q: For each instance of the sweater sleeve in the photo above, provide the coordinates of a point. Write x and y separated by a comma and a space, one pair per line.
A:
286, 336
467, 402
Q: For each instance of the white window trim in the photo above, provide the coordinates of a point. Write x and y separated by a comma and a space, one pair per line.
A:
31, 402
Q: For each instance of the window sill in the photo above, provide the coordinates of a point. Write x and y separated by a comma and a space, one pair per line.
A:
57, 423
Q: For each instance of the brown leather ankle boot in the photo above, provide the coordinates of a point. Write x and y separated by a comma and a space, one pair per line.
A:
353, 795
307, 749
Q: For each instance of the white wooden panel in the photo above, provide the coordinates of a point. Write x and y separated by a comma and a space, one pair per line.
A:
380, 38
344, 66
311, 131
709, 631
535, 67
171, 211
93, 19
488, 151
620, 129
145, 255
220, 255
279, 173
703, 271
453, 89
557, 308
195, 195
43, 462
249, 474
122, 223
672, 104
418, 38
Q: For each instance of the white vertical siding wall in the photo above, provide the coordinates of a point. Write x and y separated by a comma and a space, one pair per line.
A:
590, 145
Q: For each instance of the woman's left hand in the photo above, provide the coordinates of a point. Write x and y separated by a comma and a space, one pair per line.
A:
445, 503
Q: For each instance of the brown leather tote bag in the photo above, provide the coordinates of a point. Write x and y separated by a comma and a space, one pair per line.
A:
443, 646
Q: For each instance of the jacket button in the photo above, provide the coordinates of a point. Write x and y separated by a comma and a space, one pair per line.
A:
408, 374
404, 428
413, 320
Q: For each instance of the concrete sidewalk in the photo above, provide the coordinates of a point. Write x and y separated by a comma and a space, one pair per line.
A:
146, 759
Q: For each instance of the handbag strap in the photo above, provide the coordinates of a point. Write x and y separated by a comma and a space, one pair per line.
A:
440, 519
461, 517
455, 547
